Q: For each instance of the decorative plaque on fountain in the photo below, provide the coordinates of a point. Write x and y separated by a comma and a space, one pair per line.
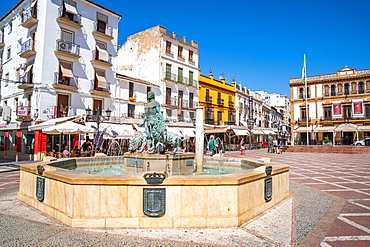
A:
154, 203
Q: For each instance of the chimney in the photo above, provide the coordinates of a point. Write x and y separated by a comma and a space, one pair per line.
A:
210, 74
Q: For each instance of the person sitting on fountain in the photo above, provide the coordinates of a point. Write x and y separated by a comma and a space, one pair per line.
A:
212, 146
153, 119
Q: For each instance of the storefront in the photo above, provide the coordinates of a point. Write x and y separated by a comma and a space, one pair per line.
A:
16, 141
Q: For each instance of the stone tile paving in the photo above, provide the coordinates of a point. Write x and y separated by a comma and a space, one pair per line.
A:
345, 178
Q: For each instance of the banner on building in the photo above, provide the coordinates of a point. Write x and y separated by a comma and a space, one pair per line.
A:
357, 106
52, 111
337, 109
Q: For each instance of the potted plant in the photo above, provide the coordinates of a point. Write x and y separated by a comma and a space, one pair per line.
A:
327, 141
297, 141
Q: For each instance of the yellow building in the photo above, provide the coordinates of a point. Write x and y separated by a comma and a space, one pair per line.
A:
218, 99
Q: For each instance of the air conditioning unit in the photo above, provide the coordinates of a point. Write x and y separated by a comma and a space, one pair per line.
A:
7, 114
63, 46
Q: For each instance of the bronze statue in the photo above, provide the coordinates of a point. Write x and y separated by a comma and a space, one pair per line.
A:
155, 130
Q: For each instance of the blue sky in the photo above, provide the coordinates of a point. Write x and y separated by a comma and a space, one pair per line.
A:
260, 42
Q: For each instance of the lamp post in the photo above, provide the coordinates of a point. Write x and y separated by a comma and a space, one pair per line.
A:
250, 121
98, 118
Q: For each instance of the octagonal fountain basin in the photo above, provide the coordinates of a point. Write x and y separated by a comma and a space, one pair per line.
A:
153, 198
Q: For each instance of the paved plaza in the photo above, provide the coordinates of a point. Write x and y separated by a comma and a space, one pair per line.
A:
329, 206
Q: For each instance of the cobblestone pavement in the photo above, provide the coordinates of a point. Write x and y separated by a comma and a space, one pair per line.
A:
330, 206
337, 186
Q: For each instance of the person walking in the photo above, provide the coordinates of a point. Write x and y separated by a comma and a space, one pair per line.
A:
212, 146
242, 147
275, 145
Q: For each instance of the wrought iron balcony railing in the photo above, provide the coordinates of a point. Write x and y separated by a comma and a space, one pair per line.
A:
108, 30
73, 82
69, 47
69, 16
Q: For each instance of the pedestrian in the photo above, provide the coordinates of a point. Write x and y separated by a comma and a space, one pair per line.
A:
275, 145
66, 153
212, 146
242, 147
86, 144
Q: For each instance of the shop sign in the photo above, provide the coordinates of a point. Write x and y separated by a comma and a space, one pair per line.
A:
52, 111
22, 110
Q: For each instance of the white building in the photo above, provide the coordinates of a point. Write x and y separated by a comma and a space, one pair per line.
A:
242, 105
168, 61
57, 59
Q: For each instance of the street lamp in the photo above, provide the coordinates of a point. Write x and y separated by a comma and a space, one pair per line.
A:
98, 118
250, 121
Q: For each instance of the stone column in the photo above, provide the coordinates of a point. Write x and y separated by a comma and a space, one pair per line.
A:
199, 139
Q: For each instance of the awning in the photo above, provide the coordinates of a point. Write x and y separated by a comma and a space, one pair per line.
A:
29, 67
325, 129
241, 132
103, 54
51, 122
66, 69
102, 83
346, 128
257, 132
209, 128
267, 132
183, 132
215, 131
364, 128
33, 4
114, 130
68, 127
70, 8
302, 129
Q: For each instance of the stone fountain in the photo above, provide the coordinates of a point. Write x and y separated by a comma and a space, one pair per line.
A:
154, 196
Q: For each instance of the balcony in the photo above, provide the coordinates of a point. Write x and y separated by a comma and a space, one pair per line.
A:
29, 18
193, 104
70, 84
69, 19
95, 90
220, 101
101, 58
172, 101
209, 99
209, 121
182, 80
28, 49
2, 44
231, 104
26, 81
67, 49
103, 33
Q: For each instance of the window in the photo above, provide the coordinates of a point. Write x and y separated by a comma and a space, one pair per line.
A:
327, 113
367, 111
191, 56
219, 99
168, 47
6, 79
131, 110
19, 45
179, 52
367, 86
209, 115
208, 98
340, 89
62, 103
301, 94
347, 111
361, 88
10, 26
326, 91
168, 96
100, 81
191, 100
97, 106
332, 90
191, 78
219, 117
67, 36
8, 52
101, 53
27, 77
346, 89
303, 114
17, 74
168, 71
181, 95
353, 88
69, 10
131, 90
231, 103
180, 75
102, 21
65, 73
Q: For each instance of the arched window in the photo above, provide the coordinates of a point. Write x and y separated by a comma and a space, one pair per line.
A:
353, 88
326, 90
308, 93
340, 89
367, 86
332, 90
361, 88
301, 93
346, 89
